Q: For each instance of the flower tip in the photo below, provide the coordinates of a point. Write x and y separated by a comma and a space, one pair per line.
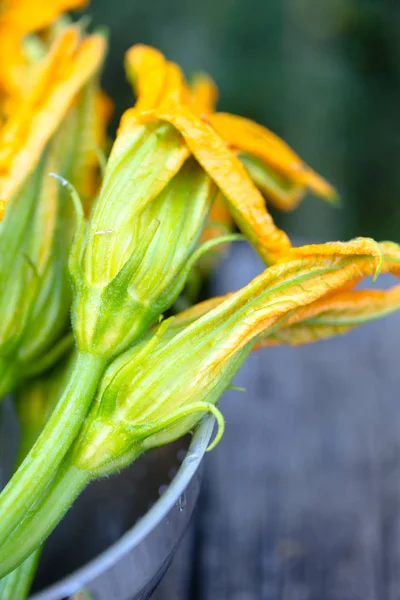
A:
64, 182
319, 185
220, 421
335, 199
72, 192
138, 53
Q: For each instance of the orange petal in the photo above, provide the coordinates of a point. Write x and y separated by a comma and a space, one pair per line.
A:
23, 18
203, 94
146, 69
287, 294
275, 296
18, 18
337, 315
243, 134
357, 247
227, 171
175, 91
64, 71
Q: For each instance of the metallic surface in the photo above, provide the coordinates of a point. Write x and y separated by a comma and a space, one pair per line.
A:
124, 558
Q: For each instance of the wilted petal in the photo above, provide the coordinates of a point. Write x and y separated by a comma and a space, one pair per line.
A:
243, 134
247, 204
17, 19
334, 316
62, 74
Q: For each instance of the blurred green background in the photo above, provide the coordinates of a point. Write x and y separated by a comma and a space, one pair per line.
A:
323, 74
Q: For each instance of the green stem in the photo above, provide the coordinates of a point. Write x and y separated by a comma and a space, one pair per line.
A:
31, 479
17, 584
44, 516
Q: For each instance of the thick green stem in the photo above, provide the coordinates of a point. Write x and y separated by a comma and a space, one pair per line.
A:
16, 585
31, 479
44, 516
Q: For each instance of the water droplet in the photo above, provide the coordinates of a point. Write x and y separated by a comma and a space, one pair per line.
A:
182, 502
103, 232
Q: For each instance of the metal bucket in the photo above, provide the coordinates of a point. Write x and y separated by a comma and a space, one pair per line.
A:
120, 536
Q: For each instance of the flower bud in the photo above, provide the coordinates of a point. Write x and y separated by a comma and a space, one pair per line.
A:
134, 258
35, 238
158, 390
36, 233
35, 295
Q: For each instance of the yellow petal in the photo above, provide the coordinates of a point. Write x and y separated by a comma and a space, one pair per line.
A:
243, 134
26, 17
357, 247
175, 91
247, 204
65, 70
146, 69
276, 295
203, 94
290, 292
17, 19
336, 315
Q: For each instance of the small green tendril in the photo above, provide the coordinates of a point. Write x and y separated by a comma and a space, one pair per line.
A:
74, 197
77, 248
150, 429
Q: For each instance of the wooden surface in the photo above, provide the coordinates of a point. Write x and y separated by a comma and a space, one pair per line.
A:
301, 499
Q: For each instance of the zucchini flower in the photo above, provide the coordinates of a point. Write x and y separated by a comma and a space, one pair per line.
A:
140, 242
215, 140
159, 389
37, 231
